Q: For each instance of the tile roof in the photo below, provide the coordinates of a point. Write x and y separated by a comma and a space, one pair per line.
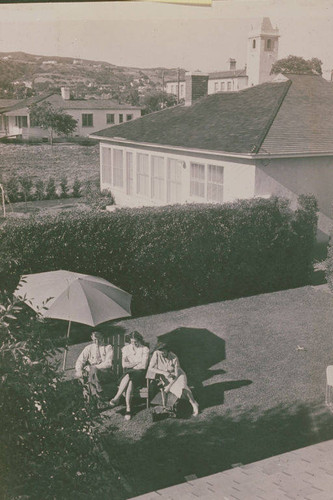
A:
286, 117
304, 123
231, 122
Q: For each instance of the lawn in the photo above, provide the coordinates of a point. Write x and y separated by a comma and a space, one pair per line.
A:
41, 161
259, 394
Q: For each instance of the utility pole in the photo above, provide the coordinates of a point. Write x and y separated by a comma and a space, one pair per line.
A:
178, 84
163, 89
3, 200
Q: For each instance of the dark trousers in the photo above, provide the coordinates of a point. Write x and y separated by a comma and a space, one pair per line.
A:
97, 378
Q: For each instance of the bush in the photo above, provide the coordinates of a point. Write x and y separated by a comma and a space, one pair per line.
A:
40, 190
12, 189
77, 188
51, 190
64, 187
50, 446
171, 257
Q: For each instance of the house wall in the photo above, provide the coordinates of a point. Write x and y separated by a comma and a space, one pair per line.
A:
238, 178
99, 121
291, 177
99, 118
221, 84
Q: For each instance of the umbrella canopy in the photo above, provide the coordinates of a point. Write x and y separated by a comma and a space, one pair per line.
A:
73, 297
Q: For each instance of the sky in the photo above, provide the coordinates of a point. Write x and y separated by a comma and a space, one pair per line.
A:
145, 34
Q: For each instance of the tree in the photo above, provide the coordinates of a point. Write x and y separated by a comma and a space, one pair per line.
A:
157, 100
298, 65
53, 120
50, 446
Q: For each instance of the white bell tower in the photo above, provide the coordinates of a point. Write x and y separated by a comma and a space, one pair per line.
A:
262, 52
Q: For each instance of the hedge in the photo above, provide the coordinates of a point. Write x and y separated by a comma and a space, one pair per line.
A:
171, 257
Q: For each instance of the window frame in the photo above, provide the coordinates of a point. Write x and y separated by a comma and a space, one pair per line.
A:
198, 183
210, 183
110, 119
85, 117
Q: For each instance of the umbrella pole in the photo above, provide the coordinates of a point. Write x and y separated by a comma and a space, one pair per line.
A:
66, 346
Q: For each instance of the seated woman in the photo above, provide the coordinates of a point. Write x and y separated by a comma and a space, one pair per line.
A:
165, 365
134, 361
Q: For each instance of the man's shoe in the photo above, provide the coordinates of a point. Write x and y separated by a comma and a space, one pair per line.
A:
128, 415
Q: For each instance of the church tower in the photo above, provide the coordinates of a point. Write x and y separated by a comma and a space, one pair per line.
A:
262, 52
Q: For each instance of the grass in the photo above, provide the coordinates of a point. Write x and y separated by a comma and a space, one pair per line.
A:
259, 395
41, 161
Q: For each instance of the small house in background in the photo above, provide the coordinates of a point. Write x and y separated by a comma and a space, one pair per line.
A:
270, 139
91, 114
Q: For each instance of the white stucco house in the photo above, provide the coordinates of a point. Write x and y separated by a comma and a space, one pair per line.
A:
262, 52
270, 139
91, 114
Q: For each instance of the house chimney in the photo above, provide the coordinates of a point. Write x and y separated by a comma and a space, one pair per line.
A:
196, 86
232, 63
65, 93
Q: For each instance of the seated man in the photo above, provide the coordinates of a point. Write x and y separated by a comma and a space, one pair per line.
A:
95, 364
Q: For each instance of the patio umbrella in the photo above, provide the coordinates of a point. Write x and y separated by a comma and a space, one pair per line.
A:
73, 297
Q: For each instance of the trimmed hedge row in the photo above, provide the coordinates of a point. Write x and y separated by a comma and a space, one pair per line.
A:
171, 257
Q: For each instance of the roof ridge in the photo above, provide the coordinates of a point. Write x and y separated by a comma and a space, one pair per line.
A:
272, 117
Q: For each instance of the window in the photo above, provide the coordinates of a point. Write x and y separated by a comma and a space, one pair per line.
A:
157, 177
222, 85
110, 118
197, 176
215, 183
21, 121
118, 170
174, 179
269, 44
216, 86
87, 120
229, 85
142, 174
182, 90
106, 165
129, 170
129, 117
121, 118
172, 89
253, 44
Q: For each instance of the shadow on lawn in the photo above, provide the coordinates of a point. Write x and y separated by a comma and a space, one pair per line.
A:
173, 449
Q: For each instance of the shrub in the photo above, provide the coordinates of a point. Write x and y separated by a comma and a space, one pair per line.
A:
26, 186
50, 446
40, 190
64, 187
51, 190
77, 188
12, 189
170, 257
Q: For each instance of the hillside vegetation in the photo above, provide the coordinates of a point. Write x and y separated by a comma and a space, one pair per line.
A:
22, 74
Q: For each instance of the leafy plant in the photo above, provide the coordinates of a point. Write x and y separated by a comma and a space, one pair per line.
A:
40, 189
12, 189
26, 186
50, 446
51, 119
77, 188
64, 187
51, 190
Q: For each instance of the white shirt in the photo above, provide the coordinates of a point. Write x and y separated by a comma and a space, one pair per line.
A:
94, 354
132, 354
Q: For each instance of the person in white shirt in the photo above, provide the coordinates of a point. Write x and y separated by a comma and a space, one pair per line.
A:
95, 364
134, 361
164, 365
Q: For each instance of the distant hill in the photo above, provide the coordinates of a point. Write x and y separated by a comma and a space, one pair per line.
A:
23, 74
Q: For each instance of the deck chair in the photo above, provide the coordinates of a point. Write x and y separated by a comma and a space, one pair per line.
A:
329, 387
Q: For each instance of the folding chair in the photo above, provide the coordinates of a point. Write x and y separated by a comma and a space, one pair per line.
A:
329, 387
